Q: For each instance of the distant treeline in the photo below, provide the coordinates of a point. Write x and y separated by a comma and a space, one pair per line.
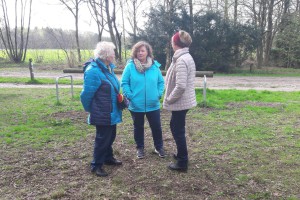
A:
49, 38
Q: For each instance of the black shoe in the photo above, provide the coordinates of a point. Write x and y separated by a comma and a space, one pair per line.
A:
113, 161
140, 153
99, 172
160, 152
176, 167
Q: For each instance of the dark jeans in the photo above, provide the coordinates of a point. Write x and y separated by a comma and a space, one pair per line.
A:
177, 125
105, 137
155, 125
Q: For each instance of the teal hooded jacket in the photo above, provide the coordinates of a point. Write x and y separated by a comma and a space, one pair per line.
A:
144, 90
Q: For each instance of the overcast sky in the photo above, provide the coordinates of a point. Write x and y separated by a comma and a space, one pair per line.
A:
46, 13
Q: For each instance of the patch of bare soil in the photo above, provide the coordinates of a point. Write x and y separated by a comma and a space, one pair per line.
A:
257, 104
74, 116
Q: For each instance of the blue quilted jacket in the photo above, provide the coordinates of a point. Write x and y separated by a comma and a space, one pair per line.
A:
98, 95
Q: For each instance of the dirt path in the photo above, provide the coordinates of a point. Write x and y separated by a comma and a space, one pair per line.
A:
217, 82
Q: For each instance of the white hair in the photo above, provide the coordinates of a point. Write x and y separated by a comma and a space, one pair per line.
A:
104, 49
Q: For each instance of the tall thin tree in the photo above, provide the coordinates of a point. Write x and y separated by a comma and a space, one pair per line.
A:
73, 7
115, 36
97, 9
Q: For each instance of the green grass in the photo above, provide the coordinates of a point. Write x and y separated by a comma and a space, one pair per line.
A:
243, 145
219, 98
20, 80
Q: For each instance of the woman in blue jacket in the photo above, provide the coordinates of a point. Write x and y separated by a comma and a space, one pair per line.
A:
143, 84
99, 98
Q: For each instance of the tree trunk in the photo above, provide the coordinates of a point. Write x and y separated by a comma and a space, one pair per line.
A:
269, 33
191, 18
261, 25
111, 22
236, 48
170, 10
124, 30
226, 10
134, 20
27, 36
77, 34
98, 16
75, 13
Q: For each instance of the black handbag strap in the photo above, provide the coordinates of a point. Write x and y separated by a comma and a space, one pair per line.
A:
116, 90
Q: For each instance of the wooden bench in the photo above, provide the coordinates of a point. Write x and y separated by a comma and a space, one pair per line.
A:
119, 71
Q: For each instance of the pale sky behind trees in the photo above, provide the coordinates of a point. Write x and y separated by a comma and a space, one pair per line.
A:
46, 13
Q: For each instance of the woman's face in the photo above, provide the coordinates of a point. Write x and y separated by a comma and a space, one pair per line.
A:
142, 54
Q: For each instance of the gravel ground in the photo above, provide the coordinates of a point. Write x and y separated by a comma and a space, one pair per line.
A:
217, 82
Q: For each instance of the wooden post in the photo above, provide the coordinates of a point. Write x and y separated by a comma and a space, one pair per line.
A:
31, 69
204, 91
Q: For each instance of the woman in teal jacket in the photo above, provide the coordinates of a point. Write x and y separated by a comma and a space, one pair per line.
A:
143, 84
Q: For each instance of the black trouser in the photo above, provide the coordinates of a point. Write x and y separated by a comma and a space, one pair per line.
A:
177, 125
105, 137
155, 125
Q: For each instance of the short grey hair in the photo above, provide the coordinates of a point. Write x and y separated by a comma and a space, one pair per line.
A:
104, 49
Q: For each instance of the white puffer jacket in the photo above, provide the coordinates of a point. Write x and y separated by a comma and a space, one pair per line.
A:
180, 79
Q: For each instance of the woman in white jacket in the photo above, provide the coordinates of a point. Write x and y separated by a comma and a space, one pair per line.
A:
180, 95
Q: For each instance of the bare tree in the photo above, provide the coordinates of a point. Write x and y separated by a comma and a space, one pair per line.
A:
73, 7
105, 15
97, 10
169, 5
124, 29
269, 32
191, 9
15, 40
133, 7
226, 7
235, 20
62, 39
261, 22
112, 27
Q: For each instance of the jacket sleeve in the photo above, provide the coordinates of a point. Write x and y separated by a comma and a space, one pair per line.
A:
161, 84
91, 83
125, 82
180, 83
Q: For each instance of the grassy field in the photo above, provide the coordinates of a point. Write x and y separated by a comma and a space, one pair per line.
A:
21, 80
43, 59
266, 71
50, 56
243, 145
54, 58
